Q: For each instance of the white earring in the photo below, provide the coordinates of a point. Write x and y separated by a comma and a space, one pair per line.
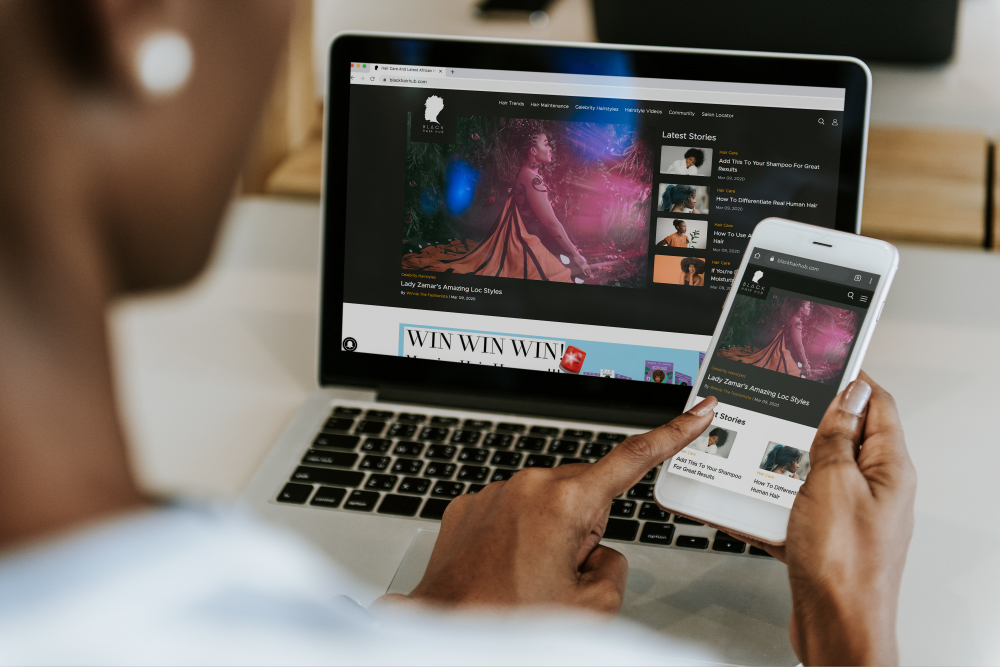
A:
163, 62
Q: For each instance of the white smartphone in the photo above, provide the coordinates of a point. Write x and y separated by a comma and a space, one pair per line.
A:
793, 332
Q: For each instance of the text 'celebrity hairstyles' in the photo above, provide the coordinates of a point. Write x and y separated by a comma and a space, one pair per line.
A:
698, 264
721, 435
780, 456
675, 194
697, 154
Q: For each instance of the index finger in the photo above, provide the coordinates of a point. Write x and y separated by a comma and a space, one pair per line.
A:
629, 462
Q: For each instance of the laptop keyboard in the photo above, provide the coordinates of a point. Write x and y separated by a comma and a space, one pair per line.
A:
413, 464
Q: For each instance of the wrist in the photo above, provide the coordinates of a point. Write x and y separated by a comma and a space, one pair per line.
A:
835, 629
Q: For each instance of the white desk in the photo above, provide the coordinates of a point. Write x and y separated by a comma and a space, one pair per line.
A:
209, 376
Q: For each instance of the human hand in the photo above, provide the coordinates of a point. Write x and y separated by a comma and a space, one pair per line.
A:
534, 539
848, 532
584, 266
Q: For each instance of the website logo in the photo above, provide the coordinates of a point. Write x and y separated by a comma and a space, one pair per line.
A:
433, 106
757, 276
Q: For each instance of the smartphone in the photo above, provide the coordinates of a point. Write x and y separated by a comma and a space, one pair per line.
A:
793, 332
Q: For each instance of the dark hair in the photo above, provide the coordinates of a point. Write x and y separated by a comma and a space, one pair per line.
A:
527, 132
780, 456
678, 223
721, 434
659, 373
675, 194
697, 154
698, 264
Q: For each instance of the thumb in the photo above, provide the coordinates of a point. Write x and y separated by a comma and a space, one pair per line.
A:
839, 434
602, 581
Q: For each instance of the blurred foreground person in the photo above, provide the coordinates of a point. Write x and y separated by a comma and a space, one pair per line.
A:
122, 129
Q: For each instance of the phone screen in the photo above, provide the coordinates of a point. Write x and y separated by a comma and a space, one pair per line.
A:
776, 368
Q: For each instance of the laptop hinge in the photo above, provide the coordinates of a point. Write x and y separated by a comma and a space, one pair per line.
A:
623, 415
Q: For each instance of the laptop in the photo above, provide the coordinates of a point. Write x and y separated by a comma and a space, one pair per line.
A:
526, 248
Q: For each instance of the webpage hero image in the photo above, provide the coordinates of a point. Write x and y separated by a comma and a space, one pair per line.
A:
588, 225
777, 367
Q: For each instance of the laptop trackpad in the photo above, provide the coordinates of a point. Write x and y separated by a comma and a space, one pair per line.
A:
411, 569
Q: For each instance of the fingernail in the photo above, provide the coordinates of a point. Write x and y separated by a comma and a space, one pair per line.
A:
856, 397
703, 408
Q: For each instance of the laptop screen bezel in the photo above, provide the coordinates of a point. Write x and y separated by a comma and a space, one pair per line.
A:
338, 367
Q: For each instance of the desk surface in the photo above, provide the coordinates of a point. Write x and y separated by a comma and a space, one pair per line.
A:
208, 377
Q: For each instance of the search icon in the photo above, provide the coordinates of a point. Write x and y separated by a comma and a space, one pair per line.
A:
821, 121
850, 295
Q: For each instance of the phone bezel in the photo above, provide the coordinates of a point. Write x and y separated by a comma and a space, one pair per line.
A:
735, 512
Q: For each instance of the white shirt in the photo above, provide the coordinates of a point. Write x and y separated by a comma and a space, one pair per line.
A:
196, 585
680, 167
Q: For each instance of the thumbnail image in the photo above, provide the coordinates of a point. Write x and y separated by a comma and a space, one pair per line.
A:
678, 233
682, 199
790, 335
559, 201
660, 372
679, 270
715, 440
787, 461
680, 378
701, 359
686, 161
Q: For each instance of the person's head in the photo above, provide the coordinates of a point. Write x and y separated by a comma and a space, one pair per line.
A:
718, 437
680, 226
674, 195
783, 457
659, 375
535, 144
694, 157
693, 266
137, 178
805, 309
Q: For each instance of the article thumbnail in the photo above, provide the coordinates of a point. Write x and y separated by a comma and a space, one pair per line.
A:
787, 461
540, 200
715, 440
686, 161
660, 372
680, 233
679, 270
789, 335
681, 378
674, 198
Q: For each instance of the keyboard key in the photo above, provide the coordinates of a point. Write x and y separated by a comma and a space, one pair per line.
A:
378, 415
596, 449
328, 496
566, 460
380, 445
439, 470
447, 489
689, 542
295, 493
381, 482
507, 427
728, 543
414, 485
434, 509
641, 492
651, 475
473, 474
547, 431
327, 476
441, 452
540, 461
531, 444
444, 421
408, 448
566, 447
366, 427
460, 437
611, 437
433, 433
336, 441
657, 533
502, 474
345, 412
475, 488
361, 501
687, 522
512, 459
577, 434
477, 424
473, 455
621, 529
338, 424
399, 505
410, 418
623, 508
342, 459
407, 466
653, 512
374, 463
754, 551
398, 430
498, 440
